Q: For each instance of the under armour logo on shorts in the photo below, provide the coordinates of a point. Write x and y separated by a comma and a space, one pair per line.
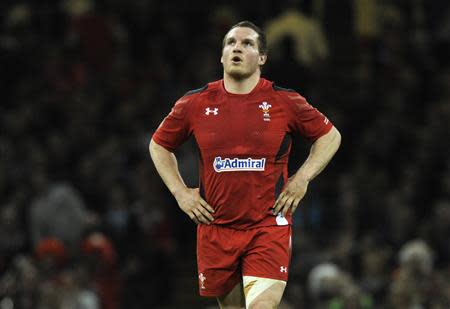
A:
283, 269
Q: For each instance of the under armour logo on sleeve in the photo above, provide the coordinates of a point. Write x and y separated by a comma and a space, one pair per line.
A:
283, 269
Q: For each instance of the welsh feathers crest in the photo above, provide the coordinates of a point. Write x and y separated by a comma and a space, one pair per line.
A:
264, 106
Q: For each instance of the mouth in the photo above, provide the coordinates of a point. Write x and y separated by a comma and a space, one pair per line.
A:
236, 60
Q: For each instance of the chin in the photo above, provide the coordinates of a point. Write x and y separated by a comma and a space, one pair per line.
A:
238, 74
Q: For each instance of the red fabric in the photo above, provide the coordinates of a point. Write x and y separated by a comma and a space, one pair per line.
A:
51, 247
232, 126
109, 287
96, 39
225, 254
106, 277
99, 244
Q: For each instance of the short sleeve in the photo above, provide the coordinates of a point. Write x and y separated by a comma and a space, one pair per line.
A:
175, 128
305, 119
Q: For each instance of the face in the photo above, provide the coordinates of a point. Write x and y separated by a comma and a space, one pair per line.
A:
240, 55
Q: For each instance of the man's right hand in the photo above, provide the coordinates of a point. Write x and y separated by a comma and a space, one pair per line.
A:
195, 206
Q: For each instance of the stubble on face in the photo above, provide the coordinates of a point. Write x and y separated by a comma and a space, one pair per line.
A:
240, 54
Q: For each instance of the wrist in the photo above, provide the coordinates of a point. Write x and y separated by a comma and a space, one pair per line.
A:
302, 176
178, 192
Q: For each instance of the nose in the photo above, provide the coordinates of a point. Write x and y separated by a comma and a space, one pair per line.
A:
237, 48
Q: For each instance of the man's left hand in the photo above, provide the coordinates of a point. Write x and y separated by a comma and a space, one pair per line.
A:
291, 196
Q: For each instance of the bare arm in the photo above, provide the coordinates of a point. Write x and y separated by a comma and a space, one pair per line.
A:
320, 155
188, 199
167, 167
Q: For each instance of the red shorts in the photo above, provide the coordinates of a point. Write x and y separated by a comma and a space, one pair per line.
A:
224, 255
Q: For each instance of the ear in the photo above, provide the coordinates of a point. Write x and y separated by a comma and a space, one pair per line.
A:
221, 59
262, 59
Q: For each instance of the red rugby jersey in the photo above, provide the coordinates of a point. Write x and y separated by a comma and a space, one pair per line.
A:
244, 142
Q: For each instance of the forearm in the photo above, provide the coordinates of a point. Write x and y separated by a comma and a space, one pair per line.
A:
320, 155
167, 167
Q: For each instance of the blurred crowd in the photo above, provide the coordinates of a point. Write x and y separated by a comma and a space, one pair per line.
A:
85, 222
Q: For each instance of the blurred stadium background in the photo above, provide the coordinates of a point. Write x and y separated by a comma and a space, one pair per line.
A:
85, 222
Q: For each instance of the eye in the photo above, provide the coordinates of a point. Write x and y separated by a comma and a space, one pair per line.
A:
248, 43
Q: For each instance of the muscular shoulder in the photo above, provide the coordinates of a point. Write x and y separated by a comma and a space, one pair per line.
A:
290, 98
281, 89
192, 97
210, 87
183, 103
196, 91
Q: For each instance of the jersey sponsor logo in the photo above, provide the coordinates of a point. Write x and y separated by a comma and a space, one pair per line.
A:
238, 165
214, 111
264, 106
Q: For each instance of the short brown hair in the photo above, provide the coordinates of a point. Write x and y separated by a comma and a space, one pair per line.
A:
262, 42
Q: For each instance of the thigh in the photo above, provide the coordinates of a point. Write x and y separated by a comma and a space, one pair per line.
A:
218, 259
268, 254
262, 292
234, 299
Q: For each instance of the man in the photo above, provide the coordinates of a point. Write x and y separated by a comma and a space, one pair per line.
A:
243, 125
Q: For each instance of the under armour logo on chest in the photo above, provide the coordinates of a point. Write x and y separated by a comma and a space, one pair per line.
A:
214, 111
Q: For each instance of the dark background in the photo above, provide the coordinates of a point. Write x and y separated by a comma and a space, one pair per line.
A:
86, 221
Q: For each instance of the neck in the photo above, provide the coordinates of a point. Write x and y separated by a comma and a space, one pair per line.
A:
240, 86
